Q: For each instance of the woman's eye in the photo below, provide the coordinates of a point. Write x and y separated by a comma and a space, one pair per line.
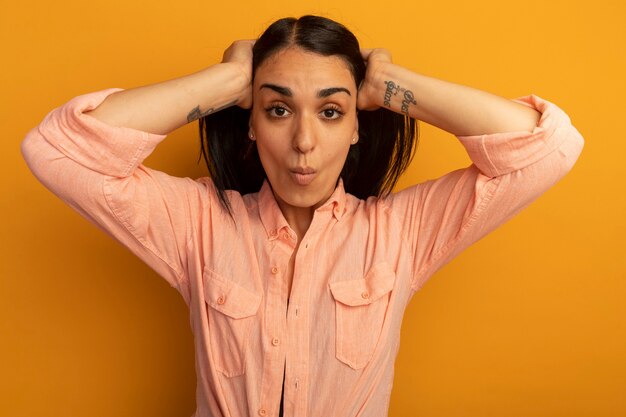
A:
279, 112
332, 113
276, 111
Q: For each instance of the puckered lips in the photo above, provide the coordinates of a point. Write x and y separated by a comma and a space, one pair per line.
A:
303, 175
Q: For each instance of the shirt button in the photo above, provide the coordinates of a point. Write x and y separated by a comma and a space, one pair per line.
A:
365, 295
262, 411
220, 300
285, 236
274, 270
274, 233
275, 341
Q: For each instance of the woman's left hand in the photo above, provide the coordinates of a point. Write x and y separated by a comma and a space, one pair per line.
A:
371, 92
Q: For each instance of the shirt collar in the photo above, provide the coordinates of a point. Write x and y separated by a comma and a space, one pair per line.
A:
273, 219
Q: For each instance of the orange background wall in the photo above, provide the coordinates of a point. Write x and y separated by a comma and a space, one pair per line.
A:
530, 321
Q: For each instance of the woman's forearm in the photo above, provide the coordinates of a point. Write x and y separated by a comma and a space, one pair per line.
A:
164, 107
455, 108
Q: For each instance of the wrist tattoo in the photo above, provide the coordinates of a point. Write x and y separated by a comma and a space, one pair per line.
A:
392, 90
197, 114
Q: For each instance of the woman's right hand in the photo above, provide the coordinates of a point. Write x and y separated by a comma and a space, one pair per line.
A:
239, 53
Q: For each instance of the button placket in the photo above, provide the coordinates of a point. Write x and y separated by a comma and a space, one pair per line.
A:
273, 330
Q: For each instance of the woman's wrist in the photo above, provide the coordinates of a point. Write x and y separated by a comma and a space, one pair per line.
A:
220, 86
392, 89
240, 79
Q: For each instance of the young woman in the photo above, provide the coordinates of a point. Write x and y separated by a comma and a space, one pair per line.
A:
295, 260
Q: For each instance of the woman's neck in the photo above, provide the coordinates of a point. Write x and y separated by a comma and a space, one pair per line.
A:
298, 218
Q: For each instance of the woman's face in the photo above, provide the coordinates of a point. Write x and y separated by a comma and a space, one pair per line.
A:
303, 119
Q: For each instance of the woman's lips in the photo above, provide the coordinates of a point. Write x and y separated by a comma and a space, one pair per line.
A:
302, 178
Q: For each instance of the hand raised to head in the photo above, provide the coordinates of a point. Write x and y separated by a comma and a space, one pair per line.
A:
239, 53
376, 60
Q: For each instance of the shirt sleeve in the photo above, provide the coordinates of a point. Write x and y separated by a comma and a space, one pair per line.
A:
97, 170
442, 217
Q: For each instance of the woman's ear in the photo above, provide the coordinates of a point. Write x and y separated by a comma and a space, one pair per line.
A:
251, 135
355, 134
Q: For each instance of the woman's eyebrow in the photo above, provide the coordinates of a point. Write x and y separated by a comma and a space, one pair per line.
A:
325, 92
286, 91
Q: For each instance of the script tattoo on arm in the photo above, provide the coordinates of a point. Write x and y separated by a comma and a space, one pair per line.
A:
197, 114
393, 89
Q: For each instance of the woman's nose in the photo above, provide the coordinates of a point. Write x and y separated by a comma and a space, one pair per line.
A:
304, 135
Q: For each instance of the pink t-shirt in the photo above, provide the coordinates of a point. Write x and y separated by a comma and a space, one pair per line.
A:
356, 269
